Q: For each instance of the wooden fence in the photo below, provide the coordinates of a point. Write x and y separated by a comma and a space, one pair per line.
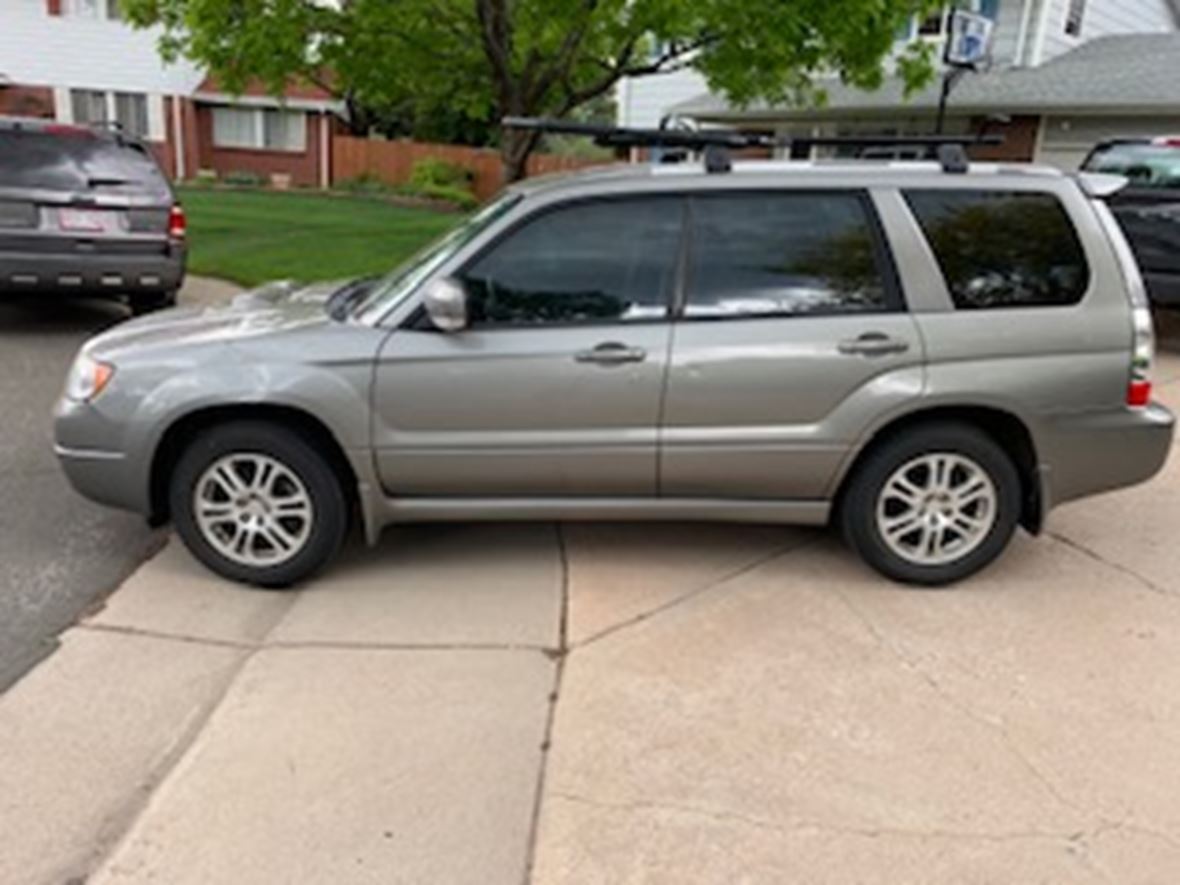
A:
393, 161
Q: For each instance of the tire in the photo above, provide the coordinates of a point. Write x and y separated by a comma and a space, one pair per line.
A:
294, 521
148, 303
944, 535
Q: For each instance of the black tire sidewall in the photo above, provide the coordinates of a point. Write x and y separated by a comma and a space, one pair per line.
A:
143, 304
858, 506
330, 511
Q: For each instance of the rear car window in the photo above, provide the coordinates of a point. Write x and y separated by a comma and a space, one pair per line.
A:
1146, 165
1001, 249
76, 161
783, 254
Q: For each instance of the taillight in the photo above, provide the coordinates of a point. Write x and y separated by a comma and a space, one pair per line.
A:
1142, 354
177, 224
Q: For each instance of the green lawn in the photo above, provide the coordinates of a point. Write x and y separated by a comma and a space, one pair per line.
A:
254, 236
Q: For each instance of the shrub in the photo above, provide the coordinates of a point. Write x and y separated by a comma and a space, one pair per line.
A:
244, 178
431, 172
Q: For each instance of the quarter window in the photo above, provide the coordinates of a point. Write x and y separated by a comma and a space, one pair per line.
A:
595, 262
1002, 249
783, 254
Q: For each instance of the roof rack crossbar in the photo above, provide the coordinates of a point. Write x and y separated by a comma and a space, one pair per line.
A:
950, 150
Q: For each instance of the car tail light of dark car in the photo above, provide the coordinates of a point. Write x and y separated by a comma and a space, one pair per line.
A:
177, 223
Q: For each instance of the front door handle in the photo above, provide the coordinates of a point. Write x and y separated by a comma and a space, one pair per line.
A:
611, 353
872, 344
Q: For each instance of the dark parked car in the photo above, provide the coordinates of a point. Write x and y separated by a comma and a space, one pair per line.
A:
87, 211
1149, 208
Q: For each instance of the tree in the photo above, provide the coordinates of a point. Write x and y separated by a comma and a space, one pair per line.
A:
485, 59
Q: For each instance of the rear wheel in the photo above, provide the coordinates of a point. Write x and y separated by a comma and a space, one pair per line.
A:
933, 504
142, 303
255, 503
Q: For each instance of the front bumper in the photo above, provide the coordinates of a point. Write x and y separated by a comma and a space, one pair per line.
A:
92, 451
1089, 453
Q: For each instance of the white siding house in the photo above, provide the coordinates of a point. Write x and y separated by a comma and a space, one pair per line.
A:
1065, 74
76, 61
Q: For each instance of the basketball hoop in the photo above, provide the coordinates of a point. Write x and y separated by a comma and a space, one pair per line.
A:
969, 41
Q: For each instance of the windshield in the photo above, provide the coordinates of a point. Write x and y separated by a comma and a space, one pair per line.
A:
1146, 165
390, 290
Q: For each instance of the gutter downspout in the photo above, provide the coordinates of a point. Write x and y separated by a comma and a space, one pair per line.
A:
178, 134
1042, 31
1022, 35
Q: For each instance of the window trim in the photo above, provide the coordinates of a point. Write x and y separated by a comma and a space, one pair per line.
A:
418, 320
894, 295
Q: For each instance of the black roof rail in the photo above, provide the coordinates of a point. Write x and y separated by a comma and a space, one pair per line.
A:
949, 150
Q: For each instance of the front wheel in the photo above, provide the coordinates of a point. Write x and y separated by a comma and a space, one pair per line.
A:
256, 503
932, 505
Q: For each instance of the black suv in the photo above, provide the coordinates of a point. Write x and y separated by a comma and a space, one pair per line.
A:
1148, 208
86, 210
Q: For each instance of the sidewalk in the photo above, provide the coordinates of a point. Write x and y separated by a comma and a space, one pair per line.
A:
732, 703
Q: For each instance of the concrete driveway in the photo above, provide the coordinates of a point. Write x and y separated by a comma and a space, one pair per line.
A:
619, 703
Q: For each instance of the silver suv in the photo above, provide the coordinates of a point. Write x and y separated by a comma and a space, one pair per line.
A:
923, 355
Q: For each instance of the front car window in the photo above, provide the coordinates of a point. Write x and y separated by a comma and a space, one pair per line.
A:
1001, 249
601, 261
390, 290
1146, 165
783, 254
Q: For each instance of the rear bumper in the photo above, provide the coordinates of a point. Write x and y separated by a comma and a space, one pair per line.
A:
90, 274
1097, 452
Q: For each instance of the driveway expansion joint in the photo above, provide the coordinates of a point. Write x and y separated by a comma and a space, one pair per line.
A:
754, 565
559, 656
1119, 567
995, 726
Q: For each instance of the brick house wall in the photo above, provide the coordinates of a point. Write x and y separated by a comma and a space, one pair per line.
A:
27, 101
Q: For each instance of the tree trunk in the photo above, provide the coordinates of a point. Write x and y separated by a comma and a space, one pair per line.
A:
515, 148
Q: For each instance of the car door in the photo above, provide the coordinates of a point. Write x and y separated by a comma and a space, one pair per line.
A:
554, 388
792, 338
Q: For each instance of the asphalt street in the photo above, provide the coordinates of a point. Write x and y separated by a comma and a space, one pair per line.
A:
58, 552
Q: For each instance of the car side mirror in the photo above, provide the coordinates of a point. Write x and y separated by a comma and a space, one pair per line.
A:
445, 301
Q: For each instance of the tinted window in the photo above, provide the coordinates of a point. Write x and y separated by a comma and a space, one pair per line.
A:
999, 249
590, 262
75, 161
1147, 165
800, 253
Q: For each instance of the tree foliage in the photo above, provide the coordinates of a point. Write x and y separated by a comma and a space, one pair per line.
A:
484, 59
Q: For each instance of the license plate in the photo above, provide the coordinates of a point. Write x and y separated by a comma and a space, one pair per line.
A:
88, 220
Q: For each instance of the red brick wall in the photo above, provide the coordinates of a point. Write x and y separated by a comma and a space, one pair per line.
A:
303, 167
1020, 139
53, 7
26, 101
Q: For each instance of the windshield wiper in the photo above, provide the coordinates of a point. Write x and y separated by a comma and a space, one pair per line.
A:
106, 181
342, 300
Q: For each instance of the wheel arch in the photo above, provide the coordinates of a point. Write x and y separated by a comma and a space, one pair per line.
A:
183, 429
1004, 427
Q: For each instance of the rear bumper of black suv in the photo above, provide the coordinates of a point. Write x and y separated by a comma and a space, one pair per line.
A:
127, 274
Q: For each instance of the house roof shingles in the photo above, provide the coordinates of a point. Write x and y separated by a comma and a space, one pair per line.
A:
1126, 73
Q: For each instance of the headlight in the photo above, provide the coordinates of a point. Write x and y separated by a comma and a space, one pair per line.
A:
87, 378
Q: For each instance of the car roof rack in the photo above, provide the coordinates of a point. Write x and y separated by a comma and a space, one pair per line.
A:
716, 144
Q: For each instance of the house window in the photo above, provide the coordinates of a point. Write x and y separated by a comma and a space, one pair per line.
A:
935, 25
95, 9
131, 113
1073, 17
89, 106
259, 129
932, 25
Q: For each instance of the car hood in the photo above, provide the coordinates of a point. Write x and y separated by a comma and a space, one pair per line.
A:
271, 309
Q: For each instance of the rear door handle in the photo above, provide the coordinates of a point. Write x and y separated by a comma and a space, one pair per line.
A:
611, 353
872, 344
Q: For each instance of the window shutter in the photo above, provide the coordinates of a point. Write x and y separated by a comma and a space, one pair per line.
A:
53, 7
